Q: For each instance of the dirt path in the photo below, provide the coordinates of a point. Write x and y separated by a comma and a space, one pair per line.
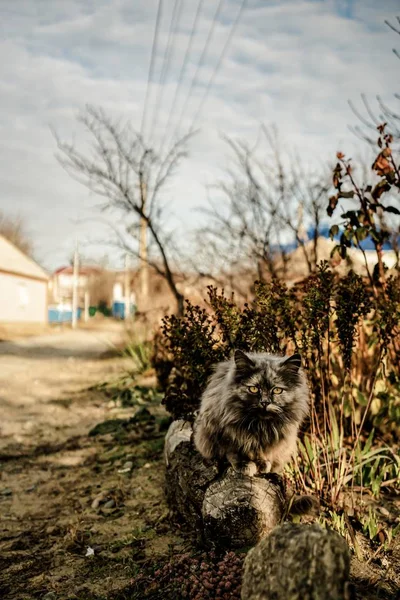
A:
79, 513
38, 375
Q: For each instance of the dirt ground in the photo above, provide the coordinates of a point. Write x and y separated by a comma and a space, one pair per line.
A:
39, 374
82, 509
78, 512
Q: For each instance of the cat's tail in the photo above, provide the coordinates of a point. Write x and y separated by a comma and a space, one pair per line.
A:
302, 505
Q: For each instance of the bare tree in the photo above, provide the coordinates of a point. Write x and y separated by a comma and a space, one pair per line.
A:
369, 118
14, 229
129, 176
266, 202
241, 226
370, 121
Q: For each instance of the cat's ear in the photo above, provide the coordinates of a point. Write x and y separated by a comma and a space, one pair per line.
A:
293, 363
243, 363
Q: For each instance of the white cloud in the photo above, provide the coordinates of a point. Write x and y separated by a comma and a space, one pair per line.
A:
294, 63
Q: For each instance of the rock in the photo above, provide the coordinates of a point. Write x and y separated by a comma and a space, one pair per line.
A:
126, 467
298, 562
384, 511
6, 492
100, 498
109, 504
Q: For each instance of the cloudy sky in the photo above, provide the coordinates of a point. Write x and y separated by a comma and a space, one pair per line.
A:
294, 63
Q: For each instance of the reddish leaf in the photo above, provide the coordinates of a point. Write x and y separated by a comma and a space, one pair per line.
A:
333, 200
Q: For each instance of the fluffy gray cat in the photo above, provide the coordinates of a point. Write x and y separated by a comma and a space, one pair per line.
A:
251, 411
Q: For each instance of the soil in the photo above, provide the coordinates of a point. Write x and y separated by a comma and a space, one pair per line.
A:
52, 471
81, 478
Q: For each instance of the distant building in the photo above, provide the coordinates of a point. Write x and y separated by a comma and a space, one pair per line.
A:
61, 282
23, 286
357, 260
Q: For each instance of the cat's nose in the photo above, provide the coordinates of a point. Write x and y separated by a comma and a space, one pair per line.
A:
265, 401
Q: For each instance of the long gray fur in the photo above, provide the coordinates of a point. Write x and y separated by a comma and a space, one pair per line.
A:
254, 433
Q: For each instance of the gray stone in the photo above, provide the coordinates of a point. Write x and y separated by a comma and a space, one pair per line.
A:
126, 467
298, 562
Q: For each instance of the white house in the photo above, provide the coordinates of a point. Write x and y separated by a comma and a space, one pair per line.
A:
23, 286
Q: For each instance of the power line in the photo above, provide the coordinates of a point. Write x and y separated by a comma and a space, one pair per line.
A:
200, 64
181, 74
219, 63
151, 68
176, 14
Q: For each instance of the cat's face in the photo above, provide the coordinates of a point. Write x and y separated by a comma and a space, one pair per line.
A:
266, 387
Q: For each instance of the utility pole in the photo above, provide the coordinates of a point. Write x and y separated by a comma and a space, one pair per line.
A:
87, 303
127, 291
75, 282
144, 268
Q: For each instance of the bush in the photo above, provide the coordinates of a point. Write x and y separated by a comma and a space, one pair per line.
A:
348, 338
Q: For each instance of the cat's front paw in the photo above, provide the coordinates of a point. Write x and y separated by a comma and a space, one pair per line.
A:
249, 469
264, 466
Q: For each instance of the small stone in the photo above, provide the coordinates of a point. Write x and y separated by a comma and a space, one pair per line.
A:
99, 500
384, 511
147, 466
96, 503
110, 504
6, 492
126, 467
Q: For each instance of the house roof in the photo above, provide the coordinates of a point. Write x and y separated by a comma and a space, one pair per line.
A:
15, 262
83, 270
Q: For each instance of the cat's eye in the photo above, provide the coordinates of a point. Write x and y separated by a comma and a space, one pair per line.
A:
277, 390
253, 389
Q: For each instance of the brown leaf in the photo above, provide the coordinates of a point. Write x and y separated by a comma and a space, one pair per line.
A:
380, 188
382, 536
335, 180
382, 165
333, 200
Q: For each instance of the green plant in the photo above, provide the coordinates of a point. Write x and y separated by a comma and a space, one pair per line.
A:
192, 346
140, 352
331, 321
371, 525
